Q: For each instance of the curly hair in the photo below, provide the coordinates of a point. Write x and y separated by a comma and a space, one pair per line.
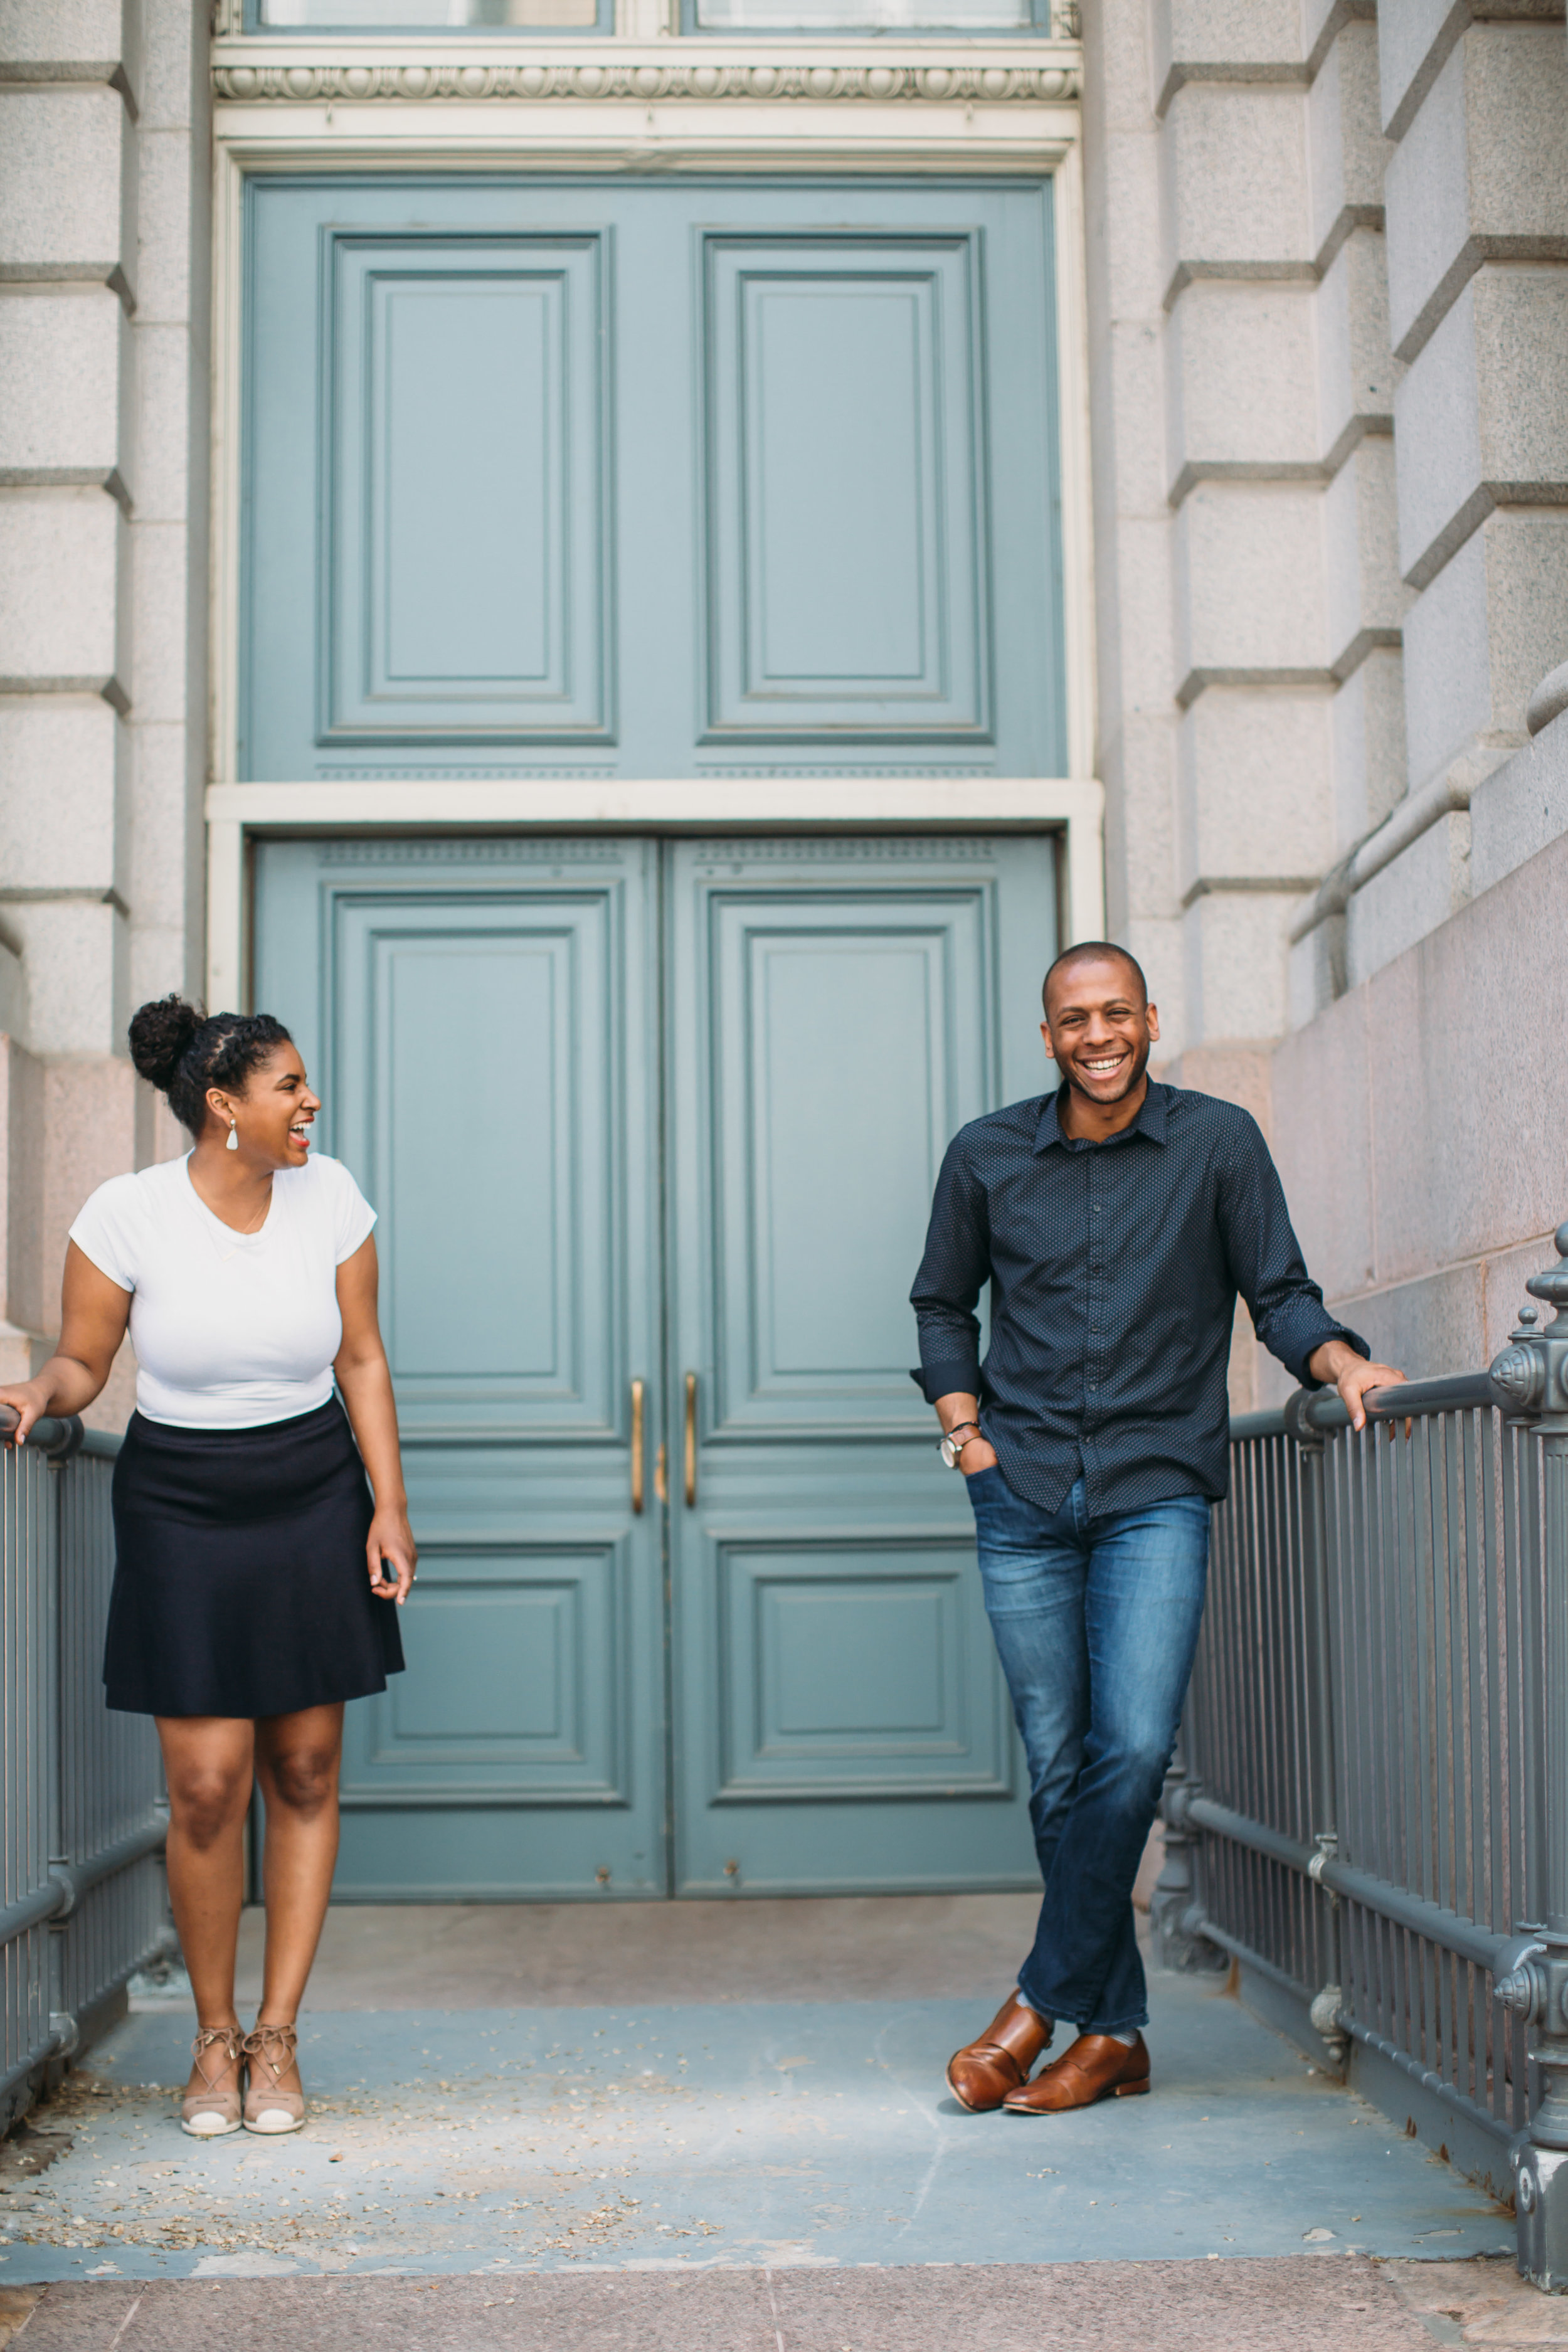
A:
182, 1052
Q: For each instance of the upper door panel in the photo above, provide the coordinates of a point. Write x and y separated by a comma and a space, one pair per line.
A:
847, 588
466, 566
842, 1032
586, 479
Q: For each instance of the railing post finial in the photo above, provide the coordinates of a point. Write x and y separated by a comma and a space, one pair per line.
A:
1530, 1376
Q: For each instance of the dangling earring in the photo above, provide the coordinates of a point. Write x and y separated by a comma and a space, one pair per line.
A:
232, 1143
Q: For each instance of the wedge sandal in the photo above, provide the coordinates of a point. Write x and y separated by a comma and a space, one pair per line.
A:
213, 2112
271, 2052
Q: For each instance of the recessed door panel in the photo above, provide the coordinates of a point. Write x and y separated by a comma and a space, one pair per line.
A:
846, 581
834, 1023
519, 1674
854, 1667
481, 1018
516, 1211
467, 581
514, 1330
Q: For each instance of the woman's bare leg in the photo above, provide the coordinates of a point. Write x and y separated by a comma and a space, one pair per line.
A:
297, 1762
208, 1761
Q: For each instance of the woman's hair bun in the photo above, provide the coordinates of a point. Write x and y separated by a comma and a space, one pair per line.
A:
160, 1034
185, 1052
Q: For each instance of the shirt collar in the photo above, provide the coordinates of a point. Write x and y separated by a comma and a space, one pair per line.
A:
1150, 1121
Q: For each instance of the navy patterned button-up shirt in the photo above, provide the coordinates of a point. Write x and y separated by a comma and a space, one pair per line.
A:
1114, 1269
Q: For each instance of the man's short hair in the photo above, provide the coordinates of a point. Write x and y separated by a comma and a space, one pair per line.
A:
1092, 951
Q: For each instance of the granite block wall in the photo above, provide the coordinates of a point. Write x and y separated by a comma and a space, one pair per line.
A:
104, 213
1354, 345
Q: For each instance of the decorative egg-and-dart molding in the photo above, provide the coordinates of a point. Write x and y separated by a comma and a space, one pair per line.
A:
350, 81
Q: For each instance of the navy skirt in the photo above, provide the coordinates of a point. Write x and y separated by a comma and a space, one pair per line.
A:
240, 1585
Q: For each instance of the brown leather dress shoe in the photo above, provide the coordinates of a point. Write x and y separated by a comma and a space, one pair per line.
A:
983, 2071
1096, 2066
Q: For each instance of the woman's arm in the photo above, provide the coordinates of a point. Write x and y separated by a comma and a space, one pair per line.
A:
364, 1384
94, 1312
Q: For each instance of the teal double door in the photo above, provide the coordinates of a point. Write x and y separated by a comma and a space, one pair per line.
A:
642, 485
652, 1129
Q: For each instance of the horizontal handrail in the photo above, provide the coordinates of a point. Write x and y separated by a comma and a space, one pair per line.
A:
1188, 1805
56, 1435
1325, 1409
1483, 1945
1245, 1426
68, 1882
1462, 1392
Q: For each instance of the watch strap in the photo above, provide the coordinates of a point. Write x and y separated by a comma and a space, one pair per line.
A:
951, 1442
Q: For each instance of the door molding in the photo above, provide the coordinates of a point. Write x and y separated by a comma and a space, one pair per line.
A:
425, 69
238, 814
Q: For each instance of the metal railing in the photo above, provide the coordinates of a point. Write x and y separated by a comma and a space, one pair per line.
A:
1369, 1807
82, 1902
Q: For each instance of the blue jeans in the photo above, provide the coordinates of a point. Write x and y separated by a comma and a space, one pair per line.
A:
1095, 1621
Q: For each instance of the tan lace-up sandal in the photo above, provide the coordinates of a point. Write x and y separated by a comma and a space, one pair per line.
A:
269, 2107
213, 2112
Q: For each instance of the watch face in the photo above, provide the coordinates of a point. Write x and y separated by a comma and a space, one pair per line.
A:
949, 1453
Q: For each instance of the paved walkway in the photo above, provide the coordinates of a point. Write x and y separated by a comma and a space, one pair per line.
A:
1296, 2306
693, 2172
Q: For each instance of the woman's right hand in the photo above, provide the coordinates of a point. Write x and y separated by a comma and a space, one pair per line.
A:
29, 1400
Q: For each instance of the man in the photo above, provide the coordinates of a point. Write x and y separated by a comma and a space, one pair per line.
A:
1115, 1221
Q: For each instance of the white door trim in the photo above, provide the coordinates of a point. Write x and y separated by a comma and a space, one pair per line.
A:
237, 813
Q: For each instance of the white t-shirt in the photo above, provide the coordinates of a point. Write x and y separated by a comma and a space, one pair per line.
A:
230, 1329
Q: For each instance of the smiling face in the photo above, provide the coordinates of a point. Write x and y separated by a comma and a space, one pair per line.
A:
273, 1117
1098, 1028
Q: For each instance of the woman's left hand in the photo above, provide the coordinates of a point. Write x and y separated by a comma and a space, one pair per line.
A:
391, 1541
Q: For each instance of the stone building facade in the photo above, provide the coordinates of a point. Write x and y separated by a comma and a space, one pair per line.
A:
1328, 338
1312, 317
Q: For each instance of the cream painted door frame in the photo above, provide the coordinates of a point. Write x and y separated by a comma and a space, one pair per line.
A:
918, 108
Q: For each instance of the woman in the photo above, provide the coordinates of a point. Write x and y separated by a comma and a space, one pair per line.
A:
253, 1569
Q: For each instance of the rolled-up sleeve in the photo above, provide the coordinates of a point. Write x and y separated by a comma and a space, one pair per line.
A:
1266, 1265
953, 1272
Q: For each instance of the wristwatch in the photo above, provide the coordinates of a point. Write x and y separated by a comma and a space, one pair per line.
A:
952, 1444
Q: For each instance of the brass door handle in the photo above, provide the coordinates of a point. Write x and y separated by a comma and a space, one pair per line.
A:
690, 1441
636, 1444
